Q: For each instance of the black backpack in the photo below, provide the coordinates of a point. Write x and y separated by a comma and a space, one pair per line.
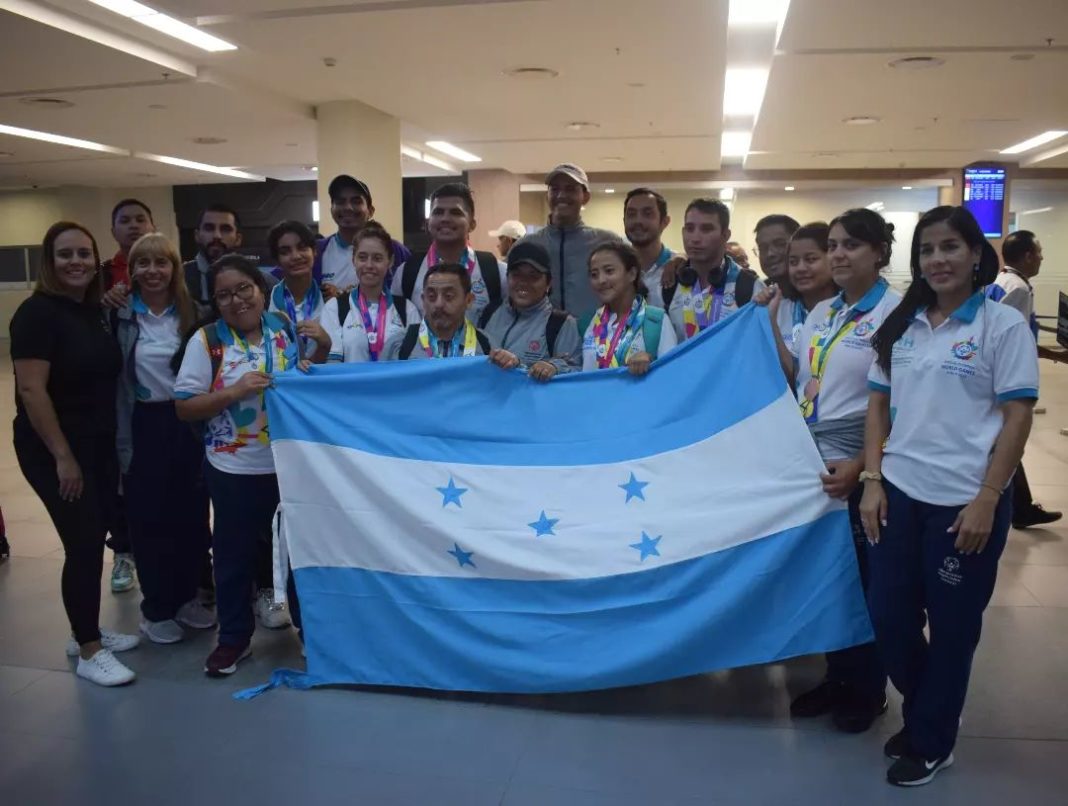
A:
411, 336
344, 304
487, 264
743, 286
556, 321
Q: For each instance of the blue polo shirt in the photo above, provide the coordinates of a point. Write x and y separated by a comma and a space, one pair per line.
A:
946, 386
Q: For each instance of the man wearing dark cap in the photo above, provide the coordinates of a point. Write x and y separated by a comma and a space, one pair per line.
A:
526, 330
568, 241
351, 208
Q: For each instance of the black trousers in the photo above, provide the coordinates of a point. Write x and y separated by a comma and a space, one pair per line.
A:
1021, 491
82, 524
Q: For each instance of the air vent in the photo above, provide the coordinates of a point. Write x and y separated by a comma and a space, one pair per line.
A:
917, 63
46, 103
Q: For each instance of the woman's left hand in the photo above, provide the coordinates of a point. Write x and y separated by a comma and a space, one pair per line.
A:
841, 477
638, 364
974, 522
310, 329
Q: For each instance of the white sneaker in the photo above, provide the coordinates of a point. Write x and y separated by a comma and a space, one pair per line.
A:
105, 669
273, 616
111, 641
194, 614
162, 632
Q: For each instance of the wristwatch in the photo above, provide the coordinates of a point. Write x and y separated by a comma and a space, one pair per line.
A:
866, 475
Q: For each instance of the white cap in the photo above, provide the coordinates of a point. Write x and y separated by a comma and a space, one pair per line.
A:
510, 229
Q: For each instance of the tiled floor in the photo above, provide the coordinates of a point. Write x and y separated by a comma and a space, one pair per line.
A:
175, 737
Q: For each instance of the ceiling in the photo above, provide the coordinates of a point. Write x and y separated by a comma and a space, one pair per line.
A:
649, 76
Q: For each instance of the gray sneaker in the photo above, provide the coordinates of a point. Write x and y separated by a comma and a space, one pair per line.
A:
162, 632
194, 614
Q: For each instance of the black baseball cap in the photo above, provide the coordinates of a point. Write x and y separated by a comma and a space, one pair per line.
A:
342, 181
531, 254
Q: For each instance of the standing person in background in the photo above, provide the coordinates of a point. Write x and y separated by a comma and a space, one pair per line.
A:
1022, 254
569, 241
738, 254
451, 222
952, 394
507, 234
351, 208
160, 458
225, 370
66, 367
711, 286
645, 217
130, 219
832, 355
218, 233
773, 233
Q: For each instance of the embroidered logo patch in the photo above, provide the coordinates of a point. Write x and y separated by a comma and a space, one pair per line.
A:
950, 571
966, 350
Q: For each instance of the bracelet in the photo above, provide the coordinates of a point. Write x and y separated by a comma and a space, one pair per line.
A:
990, 487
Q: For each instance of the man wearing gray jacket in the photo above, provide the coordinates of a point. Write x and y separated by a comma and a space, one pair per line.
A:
568, 241
526, 330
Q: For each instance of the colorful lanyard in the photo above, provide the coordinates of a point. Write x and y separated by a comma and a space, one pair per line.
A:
307, 307
439, 349
703, 308
376, 336
800, 314
469, 260
268, 352
612, 351
661, 260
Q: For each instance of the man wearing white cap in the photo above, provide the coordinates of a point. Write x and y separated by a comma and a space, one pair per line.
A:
507, 234
569, 241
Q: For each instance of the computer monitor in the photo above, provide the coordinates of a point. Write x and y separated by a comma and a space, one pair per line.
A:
984, 197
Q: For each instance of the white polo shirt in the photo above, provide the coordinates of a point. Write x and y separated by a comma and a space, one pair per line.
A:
478, 285
589, 347
158, 340
312, 307
844, 386
338, 269
652, 277
792, 315
945, 388
350, 340
1013, 289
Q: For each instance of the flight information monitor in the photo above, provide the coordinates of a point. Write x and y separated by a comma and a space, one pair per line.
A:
984, 197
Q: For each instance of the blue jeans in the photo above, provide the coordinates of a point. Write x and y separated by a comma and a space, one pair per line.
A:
918, 578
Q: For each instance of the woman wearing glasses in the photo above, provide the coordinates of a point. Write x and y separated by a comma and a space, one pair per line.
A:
226, 368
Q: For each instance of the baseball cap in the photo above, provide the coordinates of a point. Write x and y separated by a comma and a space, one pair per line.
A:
342, 181
509, 229
569, 170
531, 254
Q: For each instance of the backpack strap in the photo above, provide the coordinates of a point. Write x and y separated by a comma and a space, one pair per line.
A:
483, 342
344, 303
411, 336
584, 322
215, 352
487, 314
668, 294
491, 275
651, 327
410, 273
400, 305
743, 286
552, 329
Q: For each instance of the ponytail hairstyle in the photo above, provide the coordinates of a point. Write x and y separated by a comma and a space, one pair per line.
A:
626, 254
919, 294
869, 227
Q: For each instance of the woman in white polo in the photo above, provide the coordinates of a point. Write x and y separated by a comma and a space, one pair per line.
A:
952, 394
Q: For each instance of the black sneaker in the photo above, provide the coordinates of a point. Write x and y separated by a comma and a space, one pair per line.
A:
819, 701
854, 713
897, 745
911, 770
1034, 515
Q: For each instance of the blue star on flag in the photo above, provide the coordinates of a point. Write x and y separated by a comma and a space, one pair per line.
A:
451, 494
647, 546
462, 557
543, 525
634, 488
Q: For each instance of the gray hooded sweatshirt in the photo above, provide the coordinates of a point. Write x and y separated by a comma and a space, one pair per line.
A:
523, 334
570, 249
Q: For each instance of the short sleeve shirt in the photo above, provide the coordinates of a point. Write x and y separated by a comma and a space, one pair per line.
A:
338, 269
945, 385
350, 338
158, 339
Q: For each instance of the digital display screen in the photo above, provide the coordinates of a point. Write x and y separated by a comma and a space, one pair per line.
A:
984, 198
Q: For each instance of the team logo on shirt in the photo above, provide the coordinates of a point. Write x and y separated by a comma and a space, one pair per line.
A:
728, 299
863, 328
534, 347
966, 350
477, 287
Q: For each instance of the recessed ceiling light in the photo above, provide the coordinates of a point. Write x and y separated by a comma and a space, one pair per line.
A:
579, 125
1034, 142
916, 63
453, 151
531, 73
62, 140
209, 141
743, 90
1022, 57
726, 194
165, 24
860, 120
609, 190
789, 188
611, 159
47, 103
291, 145
906, 187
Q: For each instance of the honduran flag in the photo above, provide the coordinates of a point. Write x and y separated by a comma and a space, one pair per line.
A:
454, 526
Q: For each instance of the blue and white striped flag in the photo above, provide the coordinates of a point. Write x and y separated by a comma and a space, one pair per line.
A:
455, 526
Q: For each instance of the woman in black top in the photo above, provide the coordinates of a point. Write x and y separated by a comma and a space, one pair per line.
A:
66, 368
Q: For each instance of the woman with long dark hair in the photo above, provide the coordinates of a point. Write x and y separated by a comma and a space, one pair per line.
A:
952, 393
66, 365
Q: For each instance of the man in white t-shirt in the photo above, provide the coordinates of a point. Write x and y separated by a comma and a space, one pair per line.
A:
1022, 254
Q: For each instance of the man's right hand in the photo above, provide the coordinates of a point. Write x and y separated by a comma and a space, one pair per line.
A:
116, 297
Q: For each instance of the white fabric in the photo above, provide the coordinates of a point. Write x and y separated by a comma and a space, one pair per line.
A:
1018, 292
158, 340
945, 388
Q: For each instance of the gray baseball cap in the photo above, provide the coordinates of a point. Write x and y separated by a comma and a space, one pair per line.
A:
571, 171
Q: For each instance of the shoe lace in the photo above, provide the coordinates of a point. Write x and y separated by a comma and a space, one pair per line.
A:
106, 661
267, 596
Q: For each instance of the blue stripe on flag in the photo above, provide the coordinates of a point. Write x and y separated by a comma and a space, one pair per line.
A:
437, 410
789, 594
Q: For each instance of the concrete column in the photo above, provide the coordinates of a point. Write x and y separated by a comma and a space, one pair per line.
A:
356, 139
496, 195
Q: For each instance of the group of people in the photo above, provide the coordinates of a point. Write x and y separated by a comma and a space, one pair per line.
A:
132, 372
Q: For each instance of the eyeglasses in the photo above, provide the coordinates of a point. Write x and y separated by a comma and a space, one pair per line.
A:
245, 292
